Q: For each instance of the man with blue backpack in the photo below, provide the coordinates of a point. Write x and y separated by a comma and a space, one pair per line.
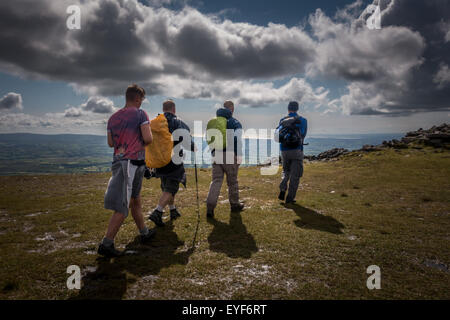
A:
291, 133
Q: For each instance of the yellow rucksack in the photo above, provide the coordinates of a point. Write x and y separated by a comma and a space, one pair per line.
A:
159, 153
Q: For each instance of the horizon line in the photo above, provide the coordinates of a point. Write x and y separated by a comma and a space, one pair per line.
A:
196, 136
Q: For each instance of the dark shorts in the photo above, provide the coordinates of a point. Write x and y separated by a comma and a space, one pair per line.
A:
170, 185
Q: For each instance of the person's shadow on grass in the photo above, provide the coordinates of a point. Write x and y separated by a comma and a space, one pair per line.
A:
310, 219
232, 239
109, 280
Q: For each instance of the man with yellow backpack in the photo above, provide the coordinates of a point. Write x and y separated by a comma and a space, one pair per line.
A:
224, 139
165, 155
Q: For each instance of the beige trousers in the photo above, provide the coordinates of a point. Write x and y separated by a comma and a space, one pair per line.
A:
218, 171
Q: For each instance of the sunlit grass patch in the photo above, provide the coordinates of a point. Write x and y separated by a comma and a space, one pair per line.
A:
387, 208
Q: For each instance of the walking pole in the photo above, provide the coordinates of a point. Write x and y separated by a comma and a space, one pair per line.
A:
198, 205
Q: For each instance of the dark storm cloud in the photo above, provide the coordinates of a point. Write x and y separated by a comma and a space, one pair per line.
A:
425, 17
400, 69
252, 52
123, 41
104, 54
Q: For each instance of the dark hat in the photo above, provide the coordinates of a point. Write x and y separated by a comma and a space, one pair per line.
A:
293, 106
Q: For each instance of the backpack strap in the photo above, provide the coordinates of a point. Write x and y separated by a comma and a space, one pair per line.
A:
174, 123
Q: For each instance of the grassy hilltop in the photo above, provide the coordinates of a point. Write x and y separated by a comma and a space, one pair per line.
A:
389, 208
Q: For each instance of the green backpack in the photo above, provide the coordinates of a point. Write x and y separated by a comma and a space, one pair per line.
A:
220, 124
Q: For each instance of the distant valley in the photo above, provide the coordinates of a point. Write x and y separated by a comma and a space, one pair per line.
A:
25, 153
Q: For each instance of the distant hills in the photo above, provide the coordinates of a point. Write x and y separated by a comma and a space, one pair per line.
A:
68, 153
25, 153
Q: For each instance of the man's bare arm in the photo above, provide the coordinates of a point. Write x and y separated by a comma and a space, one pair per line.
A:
146, 133
110, 140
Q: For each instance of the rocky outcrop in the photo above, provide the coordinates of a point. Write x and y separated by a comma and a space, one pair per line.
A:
369, 148
437, 137
329, 154
396, 144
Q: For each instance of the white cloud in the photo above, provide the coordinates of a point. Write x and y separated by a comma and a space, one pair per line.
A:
387, 71
90, 116
11, 101
51, 122
442, 77
125, 41
99, 105
445, 29
73, 112
248, 93
187, 54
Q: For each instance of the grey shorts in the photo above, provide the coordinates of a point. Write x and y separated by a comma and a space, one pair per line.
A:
125, 183
170, 185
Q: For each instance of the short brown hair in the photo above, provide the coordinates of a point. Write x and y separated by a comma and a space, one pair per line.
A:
168, 105
228, 104
133, 91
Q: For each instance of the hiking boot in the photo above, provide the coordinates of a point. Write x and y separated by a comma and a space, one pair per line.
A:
282, 195
237, 207
174, 214
108, 251
290, 201
145, 239
156, 217
210, 213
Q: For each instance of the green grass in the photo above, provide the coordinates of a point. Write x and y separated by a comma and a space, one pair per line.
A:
388, 208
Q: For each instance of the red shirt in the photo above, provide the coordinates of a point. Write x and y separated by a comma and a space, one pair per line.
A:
125, 127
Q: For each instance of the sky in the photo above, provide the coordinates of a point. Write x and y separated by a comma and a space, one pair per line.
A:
346, 76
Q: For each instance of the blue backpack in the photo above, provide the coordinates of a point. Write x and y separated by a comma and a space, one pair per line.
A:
289, 134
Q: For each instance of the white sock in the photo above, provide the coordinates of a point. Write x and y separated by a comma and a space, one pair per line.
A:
159, 208
172, 206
